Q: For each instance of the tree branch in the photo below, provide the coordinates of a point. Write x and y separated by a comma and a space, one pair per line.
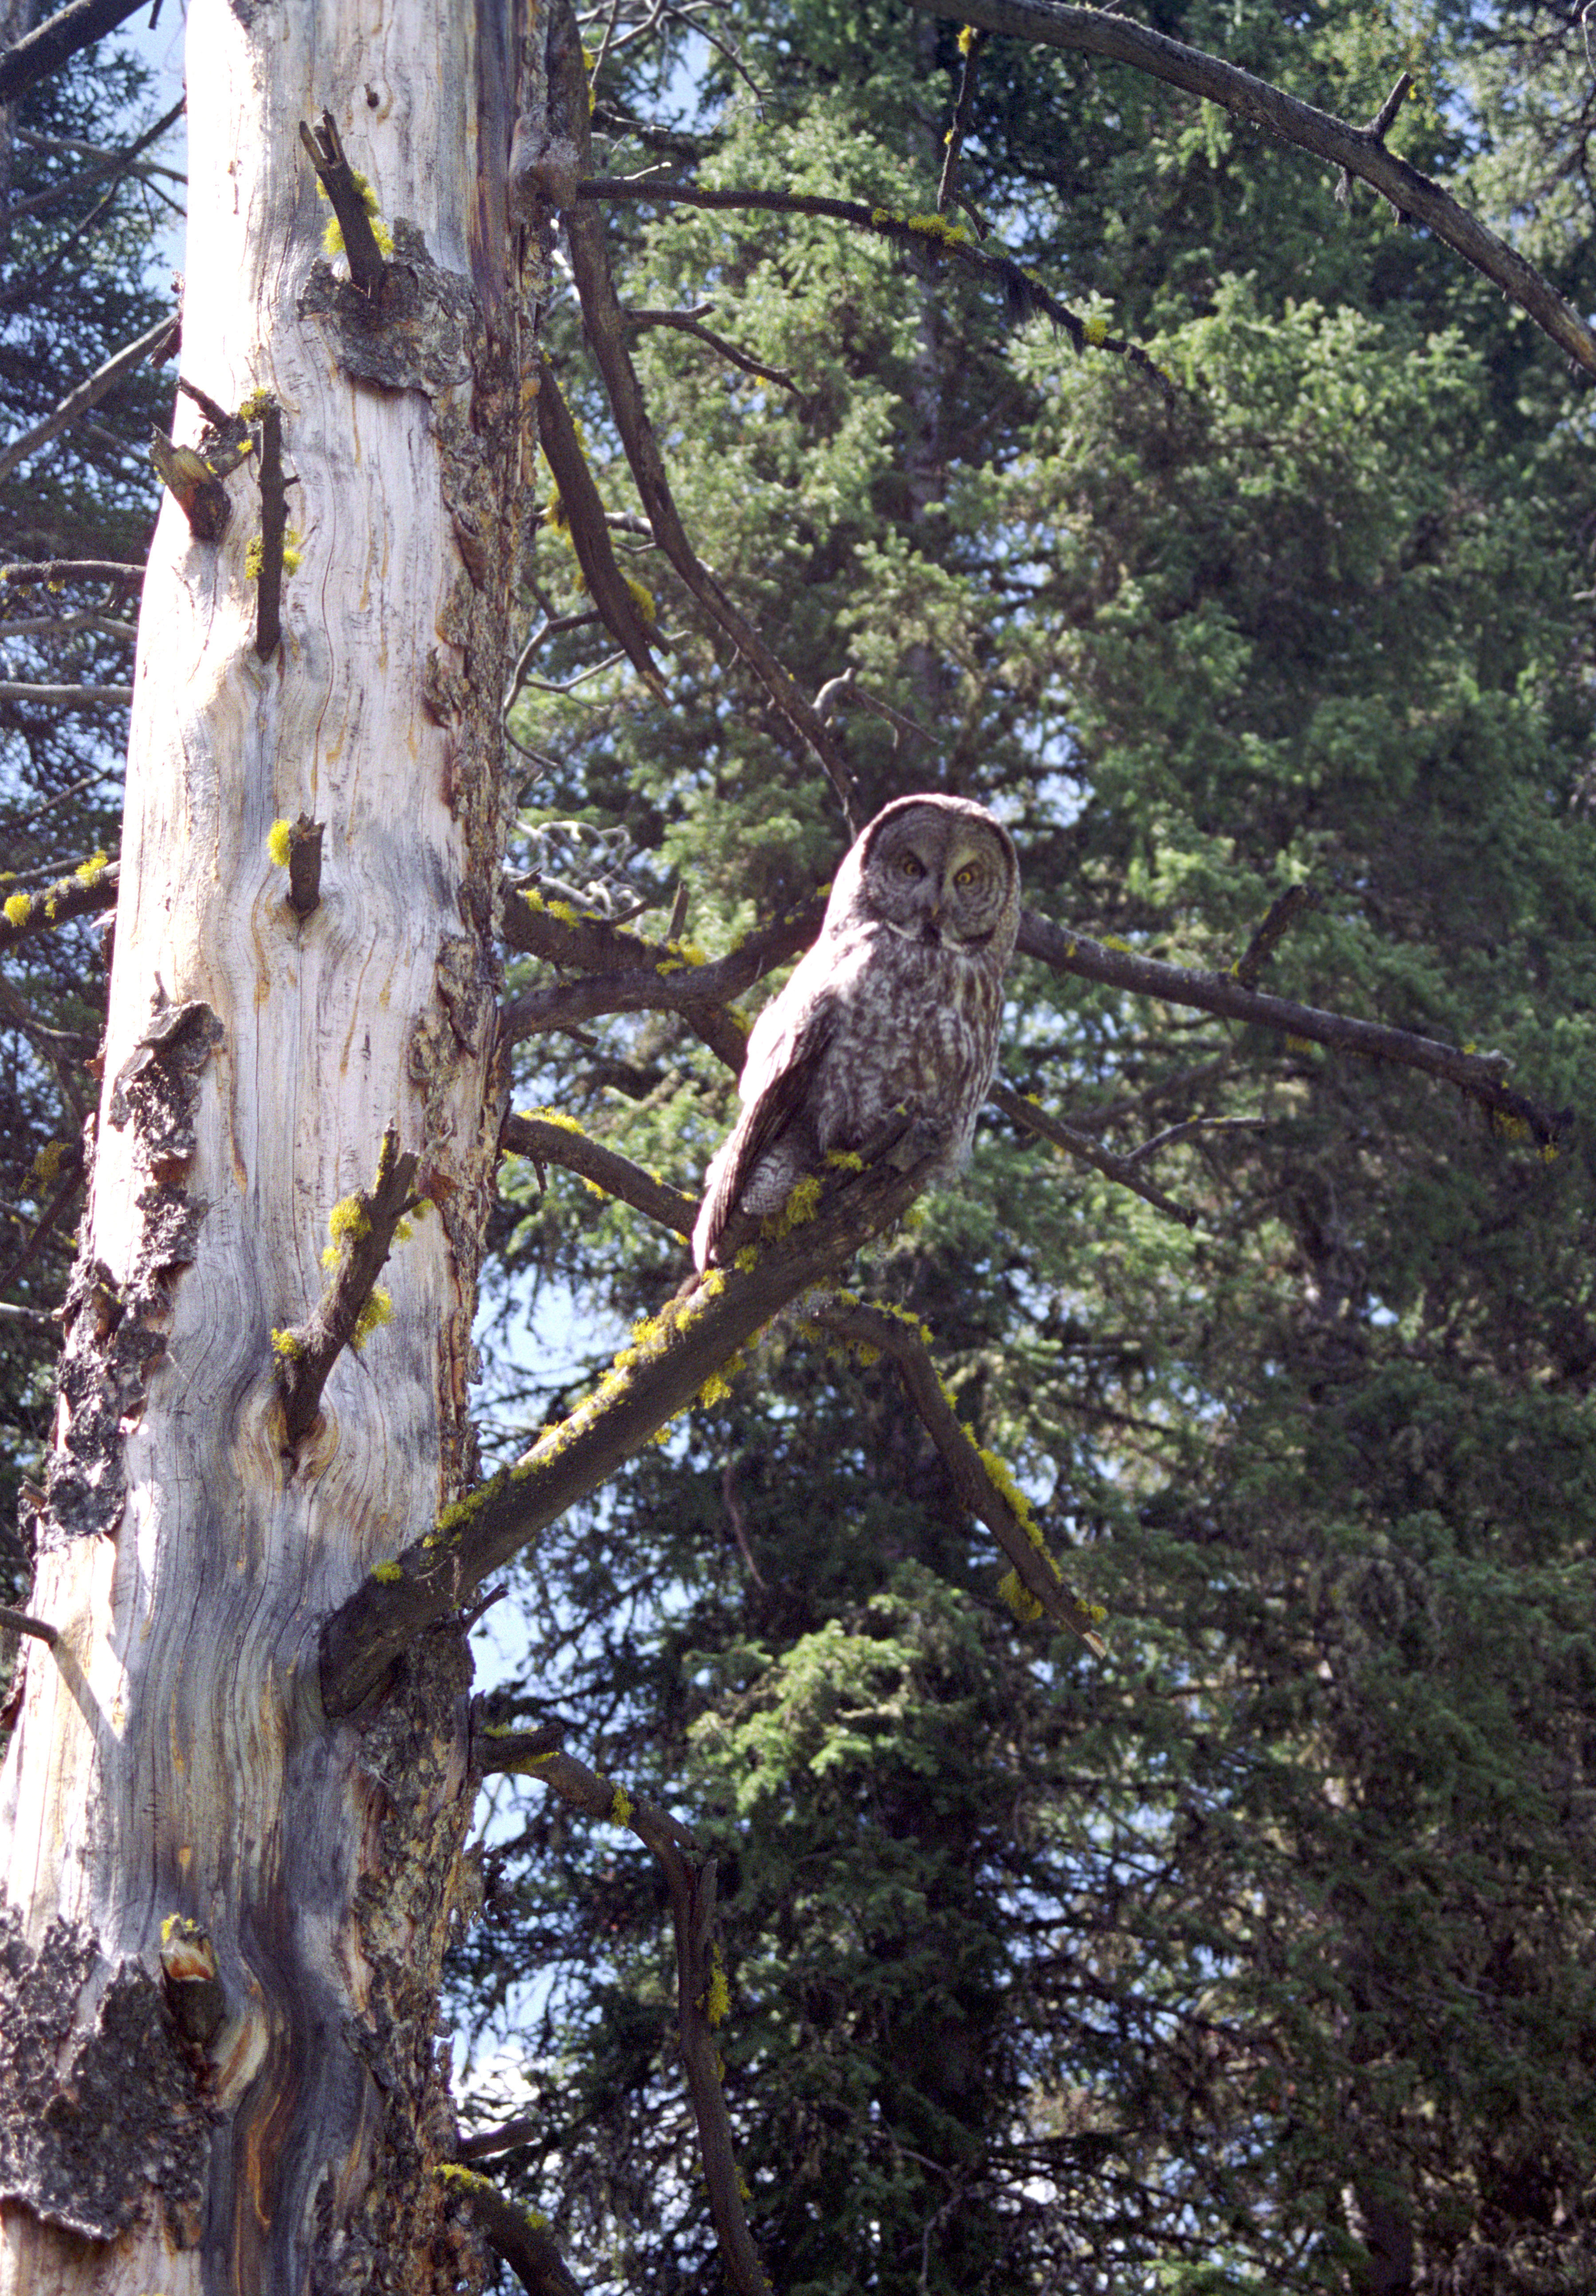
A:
654, 1379
1086, 1150
627, 975
519, 2236
972, 41
1478, 1074
690, 1881
1359, 151
979, 1477
83, 396
691, 323
577, 512
47, 48
47, 572
1022, 290
344, 190
642, 975
548, 1138
363, 1228
605, 325
70, 697
89, 890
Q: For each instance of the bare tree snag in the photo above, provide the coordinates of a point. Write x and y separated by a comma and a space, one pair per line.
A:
221, 1916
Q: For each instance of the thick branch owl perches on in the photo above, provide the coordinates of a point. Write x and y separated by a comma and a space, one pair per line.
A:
895, 1007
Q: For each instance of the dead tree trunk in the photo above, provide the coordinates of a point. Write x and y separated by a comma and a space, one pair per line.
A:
223, 1917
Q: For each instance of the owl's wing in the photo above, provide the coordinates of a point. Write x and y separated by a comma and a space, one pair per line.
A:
786, 1065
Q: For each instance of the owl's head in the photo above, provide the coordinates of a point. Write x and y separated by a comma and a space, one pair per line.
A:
937, 870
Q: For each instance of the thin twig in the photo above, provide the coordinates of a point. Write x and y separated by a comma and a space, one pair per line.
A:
688, 323
82, 397
1087, 1150
972, 41
113, 164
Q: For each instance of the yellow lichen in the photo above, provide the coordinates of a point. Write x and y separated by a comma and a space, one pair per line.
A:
718, 2000
1018, 1597
378, 1309
349, 1220
620, 1807
1096, 330
387, 1574
715, 1390
800, 1205
279, 838
930, 225
289, 1345
845, 1160
90, 871
17, 907
48, 1162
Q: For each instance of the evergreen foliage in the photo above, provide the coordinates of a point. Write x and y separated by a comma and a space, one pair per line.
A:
1258, 1955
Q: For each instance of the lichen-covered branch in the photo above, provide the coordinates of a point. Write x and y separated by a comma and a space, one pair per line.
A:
1036, 1584
348, 194
638, 975
30, 573
91, 888
1359, 151
521, 2236
1023, 291
970, 41
547, 1137
363, 1228
659, 1374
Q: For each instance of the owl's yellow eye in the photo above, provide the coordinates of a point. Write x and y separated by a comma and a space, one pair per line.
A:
910, 867
965, 876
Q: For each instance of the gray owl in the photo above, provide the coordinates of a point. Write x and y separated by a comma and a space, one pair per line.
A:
897, 1005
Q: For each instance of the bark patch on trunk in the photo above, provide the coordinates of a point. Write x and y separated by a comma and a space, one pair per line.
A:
116, 1333
101, 2119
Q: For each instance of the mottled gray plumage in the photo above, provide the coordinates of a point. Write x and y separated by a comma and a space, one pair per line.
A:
896, 1005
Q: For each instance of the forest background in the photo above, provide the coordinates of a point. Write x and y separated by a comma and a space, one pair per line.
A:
1259, 1952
